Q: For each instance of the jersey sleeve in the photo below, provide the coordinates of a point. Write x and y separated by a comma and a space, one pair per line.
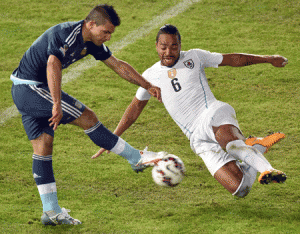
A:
55, 46
142, 94
209, 59
100, 52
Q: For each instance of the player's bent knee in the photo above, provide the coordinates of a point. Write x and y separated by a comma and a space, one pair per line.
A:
91, 119
243, 189
247, 181
88, 113
43, 145
227, 133
87, 120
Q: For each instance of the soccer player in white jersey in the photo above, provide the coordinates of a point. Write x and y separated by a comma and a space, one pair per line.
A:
210, 125
37, 93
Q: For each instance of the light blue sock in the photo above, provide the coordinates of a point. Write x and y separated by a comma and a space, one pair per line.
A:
50, 202
125, 150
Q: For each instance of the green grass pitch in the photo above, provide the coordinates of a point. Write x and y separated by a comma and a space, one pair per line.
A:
105, 194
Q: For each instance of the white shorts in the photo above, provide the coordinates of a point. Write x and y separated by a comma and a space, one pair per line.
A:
203, 141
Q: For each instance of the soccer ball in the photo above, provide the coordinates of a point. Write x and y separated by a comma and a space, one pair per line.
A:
168, 172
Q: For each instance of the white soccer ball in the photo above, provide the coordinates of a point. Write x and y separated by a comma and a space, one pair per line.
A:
168, 172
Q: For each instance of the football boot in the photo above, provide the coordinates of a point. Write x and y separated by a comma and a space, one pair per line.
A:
267, 141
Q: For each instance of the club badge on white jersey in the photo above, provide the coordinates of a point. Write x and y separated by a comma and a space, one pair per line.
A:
189, 63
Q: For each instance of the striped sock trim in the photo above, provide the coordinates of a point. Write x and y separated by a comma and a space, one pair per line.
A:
47, 188
42, 158
97, 125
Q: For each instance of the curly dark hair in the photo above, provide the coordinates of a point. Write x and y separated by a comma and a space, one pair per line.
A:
168, 29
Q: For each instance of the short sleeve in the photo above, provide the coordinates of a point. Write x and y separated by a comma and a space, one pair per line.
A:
142, 94
99, 52
55, 46
209, 59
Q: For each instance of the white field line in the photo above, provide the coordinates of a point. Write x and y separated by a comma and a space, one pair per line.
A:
76, 71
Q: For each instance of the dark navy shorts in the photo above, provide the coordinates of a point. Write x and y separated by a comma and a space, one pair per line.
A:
34, 102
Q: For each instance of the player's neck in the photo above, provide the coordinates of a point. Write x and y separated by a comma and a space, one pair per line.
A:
85, 33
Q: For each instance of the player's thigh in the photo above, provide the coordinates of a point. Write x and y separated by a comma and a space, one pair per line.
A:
225, 125
34, 127
72, 108
40, 134
213, 156
87, 120
43, 145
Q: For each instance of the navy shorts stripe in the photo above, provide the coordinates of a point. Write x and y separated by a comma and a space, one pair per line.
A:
73, 111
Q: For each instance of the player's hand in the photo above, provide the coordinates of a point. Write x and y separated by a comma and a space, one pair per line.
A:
155, 92
57, 115
278, 61
101, 151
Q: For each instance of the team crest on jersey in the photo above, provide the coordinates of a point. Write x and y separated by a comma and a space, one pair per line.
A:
172, 73
78, 104
189, 63
83, 52
64, 49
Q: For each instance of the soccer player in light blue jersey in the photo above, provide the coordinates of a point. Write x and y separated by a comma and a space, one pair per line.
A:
37, 94
209, 124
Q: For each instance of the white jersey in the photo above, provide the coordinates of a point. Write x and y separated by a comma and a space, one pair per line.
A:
184, 87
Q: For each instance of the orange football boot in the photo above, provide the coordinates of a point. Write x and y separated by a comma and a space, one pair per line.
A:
272, 176
267, 141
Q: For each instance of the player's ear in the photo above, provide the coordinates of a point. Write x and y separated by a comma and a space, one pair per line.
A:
91, 24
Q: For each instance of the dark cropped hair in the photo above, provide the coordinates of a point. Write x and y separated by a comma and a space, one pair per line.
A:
168, 29
103, 12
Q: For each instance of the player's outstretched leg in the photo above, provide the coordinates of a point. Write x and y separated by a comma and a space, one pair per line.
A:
264, 144
139, 160
101, 136
254, 158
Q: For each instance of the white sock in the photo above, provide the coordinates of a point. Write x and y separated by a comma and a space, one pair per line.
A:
247, 181
249, 155
261, 148
248, 171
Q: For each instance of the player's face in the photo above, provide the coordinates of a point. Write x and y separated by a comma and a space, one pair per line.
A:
102, 33
168, 48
